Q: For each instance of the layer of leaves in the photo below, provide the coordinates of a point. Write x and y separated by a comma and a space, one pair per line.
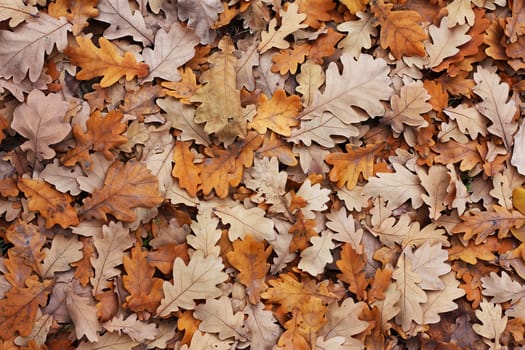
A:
305, 174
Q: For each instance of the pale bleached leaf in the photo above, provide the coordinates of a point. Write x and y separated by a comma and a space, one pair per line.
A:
315, 197
359, 34
428, 261
63, 178
244, 221
123, 21
197, 280
492, 322
172, 50
344, 228
63, 251
495, 104
445, 41
217, 316
23, 49
502, 289
315, 257
442, 300
262, 327
205, 233
138, 331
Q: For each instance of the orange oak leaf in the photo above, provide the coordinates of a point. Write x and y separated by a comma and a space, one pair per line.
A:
53, 205
83, 267
145, 290
453, 152
352, 267
249, 258
379, 284
126, 186
184, 88
3, 126
350, 165
27, 244
107, 302
317, 11
105, 62
19, 307
162, 258
289, 292
184, 169
224, 168
474, 252
481, 224
301, 331
288, 60
324, 46
103, 133
400, 30
8, 187
187, 323
77, 12
355, 5
274, 146
278, 114
301, 230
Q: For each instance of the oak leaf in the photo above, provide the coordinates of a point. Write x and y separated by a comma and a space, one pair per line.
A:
197, 280
436, 184
355, 5
309, 80
138, 331
343, 321
172, 50
115, 239
496, 105
109, 340
441, 301
181, 117
16, 11
243, 222
54, 206
64, 179
322, 131
315, 257
83, 313
344, 227
262, 326
217, 316
397, 187
407, 107
126, 186
41, 120
77, 12
123, 21
412, 296
201, 15
144, 289
278, 114
105, 62
27, 244
60, 255
502, 289
469, 120
205, 234
445, 41
400, 30
352, 267
290, 293
317, 11
225, 167
349, 166
250, 257
291, 21
492, 322
23, 49
18, 308
359, 34
184, 169
428, 261
467, 154
361, 87
288, 60
220, 101
459, 13
482, 224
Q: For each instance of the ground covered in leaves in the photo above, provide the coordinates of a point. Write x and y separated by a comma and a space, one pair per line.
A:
313, 174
